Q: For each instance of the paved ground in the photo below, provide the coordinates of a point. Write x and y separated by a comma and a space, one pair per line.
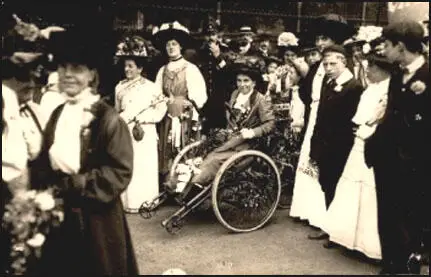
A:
204, 246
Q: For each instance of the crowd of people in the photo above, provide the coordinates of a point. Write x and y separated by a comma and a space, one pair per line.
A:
359, 100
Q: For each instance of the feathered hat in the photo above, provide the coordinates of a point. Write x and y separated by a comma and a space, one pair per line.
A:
169, 31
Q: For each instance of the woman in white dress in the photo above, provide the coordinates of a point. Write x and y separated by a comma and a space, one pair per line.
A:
132, 95
308, 202
352, 216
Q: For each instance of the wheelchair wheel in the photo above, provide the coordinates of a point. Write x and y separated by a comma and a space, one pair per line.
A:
246, 191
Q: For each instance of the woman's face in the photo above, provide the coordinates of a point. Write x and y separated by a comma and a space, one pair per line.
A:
313, 57
272, 67
244, 83
293, 76
131, 70
375, 73
289, 56
73, 78
173, 48
322, 42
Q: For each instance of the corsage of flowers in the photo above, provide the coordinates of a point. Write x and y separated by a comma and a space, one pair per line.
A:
418, 87
28, 219
338, 88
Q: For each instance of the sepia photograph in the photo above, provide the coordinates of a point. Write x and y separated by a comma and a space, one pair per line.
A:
215, 137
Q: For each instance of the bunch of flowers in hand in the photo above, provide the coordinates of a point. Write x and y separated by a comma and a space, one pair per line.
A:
28, 219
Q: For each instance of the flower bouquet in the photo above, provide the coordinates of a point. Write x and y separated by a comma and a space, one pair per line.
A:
28, 219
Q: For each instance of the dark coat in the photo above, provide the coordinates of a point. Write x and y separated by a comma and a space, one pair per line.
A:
400, 153
333, 133
5, 196
218, 88
94, 238
306, 88
260, 119
406, 127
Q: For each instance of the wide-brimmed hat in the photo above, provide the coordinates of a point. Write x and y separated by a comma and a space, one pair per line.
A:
307, 46
139, 60
82, 45
169, 31
251, 66
23, 65
272, 59
352, 42
333, 26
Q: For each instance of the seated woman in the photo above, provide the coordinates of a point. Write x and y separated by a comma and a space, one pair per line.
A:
249, 112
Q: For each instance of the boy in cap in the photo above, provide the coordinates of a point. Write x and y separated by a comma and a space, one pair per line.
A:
400, 151
333, 134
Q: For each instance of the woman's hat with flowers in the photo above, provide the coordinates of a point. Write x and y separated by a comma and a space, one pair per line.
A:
287, 41
363, 38
169, 31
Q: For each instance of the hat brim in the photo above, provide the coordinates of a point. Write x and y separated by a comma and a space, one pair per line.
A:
79, 48
307, 50
381, 61
256, 75
355, 43
139, 60
162, 37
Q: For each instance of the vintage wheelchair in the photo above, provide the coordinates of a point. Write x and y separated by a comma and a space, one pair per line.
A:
248, 187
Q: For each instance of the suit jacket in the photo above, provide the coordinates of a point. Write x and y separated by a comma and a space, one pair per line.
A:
260, 119
404, 133
333, 133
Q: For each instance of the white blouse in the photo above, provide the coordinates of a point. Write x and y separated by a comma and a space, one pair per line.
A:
14, 148
133, 96
196, 86
65, 152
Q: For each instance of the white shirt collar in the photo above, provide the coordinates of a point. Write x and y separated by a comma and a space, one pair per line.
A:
344, 77
415, 64
86, 97
242, 98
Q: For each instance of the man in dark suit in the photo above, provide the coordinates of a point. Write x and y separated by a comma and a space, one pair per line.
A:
400, 151
333, 134
212, 63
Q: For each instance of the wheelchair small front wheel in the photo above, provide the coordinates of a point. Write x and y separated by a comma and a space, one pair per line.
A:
246, 191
